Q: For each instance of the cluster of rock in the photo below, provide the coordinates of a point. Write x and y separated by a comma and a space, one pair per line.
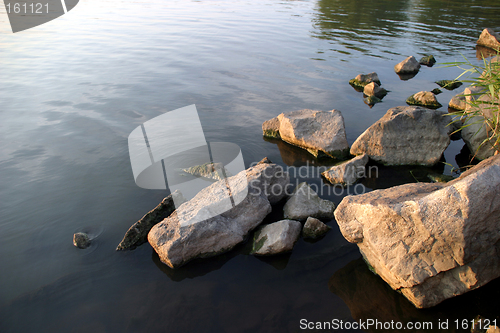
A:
369, 84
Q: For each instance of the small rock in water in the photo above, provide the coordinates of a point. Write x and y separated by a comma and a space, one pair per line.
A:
408, 66
373, 89
428, 61
277, 237
81, 240
214, 171
436, 91
424, 98
265, 160
371, 100
361, 80
489, 38
314, 228
449, 84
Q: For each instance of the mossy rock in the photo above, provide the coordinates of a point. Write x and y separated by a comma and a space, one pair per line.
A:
428, 61
436, 91
440, 178
272, 134
372, 100
430, 104
449, 84
257, 242
360, 85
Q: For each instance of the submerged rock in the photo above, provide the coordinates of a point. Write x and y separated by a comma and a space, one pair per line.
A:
408, 66
361, 80
424, 98
449, 84
347, 173
137, 234
271, 128
277, 237
321, 133
305, 202
81, 240
406, 135
373, 89
428, 61
314, 228
430, 241
436, 91
371, 100
489, 38
214, 171
210, 223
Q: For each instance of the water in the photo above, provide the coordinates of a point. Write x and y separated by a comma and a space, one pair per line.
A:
73, 89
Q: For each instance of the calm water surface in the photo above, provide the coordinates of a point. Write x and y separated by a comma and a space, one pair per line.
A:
73, 89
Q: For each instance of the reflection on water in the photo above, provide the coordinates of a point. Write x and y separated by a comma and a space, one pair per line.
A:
369, 297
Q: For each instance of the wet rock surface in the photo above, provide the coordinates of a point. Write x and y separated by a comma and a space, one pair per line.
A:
275, 238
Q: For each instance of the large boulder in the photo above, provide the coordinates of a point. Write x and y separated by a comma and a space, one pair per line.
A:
347, 173
210, 223
430, 241
137, 234
275, 238
319, 132
408, 66
489, 38
305, 202
406, 135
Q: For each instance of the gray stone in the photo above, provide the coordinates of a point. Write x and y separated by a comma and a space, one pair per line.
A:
347, 173
314, 228
137, 234
373, 89
271, 128
408, 66
315, 131
81, 240
489, 38
361, 80
210, 224
476, 132
305, 202
430, 241
424, 98
275, 238
410, 135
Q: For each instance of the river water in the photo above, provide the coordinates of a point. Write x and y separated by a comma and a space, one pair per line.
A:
72, 90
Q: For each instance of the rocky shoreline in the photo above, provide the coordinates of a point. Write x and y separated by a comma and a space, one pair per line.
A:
429, 241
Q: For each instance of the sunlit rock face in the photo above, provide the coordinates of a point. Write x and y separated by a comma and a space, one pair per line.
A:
430, 241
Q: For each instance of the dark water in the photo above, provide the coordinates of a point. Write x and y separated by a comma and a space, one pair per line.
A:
72, 90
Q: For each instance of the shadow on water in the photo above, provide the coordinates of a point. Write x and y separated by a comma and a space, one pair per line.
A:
369, 297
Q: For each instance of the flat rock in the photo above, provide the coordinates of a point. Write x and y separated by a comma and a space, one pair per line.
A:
314, 228
305, 202
424, 98
361, 80
489, 38
430, 241
408, 66
347, 173
275, 238
410, 135
373, 89
449, 84
137, 234
210, 223
316, 131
